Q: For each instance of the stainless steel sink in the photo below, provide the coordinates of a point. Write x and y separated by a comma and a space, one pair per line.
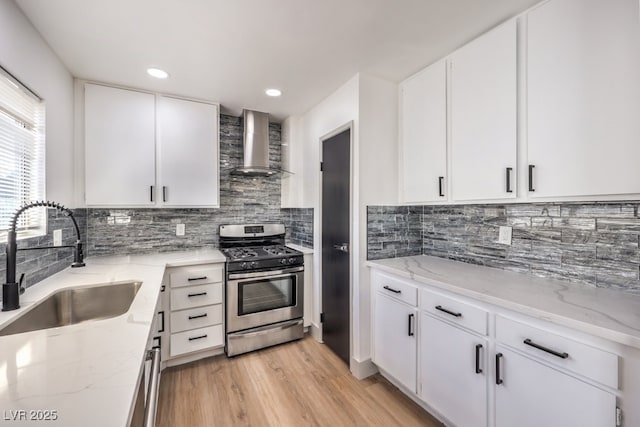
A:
71, 306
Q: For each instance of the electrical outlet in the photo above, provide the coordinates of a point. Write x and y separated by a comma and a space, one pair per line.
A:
179, 229
57, 237
504, 236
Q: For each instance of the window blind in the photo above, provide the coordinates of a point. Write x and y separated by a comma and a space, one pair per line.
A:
22, 151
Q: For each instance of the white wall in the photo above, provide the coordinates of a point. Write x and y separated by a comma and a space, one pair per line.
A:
378, 184
27, 56
333, 112
370, 105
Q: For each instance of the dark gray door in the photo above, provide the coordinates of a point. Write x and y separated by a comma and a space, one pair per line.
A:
335, 243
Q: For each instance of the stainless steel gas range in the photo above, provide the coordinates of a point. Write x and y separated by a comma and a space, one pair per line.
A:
264, 287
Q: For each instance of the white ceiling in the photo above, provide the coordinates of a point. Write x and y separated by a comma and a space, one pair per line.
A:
231, 51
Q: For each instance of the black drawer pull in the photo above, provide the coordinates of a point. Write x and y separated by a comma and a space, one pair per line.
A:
191, 279
395, 291
151, 193
531, 177
198, 316
498, 376
411, 333
478, 368
444, 310
440, 186
545, 349
199, 294
164, 193
197, 338
509, 190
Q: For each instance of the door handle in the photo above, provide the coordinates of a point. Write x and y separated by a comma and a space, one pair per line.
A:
478, 349
342, 247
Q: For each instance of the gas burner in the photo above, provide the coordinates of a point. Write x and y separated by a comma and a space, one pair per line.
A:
241, 253
276, 250
257, 247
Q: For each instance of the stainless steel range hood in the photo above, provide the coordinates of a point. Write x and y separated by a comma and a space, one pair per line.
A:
256, 145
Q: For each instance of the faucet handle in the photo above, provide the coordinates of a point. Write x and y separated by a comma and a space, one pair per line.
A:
20, 284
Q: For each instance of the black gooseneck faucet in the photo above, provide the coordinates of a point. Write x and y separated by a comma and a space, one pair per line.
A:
10, 289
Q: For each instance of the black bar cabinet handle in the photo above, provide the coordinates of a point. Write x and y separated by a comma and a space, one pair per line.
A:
498, 376
411, 325
440, 185
509, 190
161, 313
562, 355
190, 279
444, 310
197, 338
531, 178
151, 192
198, 316
164, 193
395, 291
199, 294
478, 368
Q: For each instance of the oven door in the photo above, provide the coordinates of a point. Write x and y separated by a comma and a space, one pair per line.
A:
265, 297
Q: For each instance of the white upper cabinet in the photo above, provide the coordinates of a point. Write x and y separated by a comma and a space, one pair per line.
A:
187, 152
128, 133
423, 124
483, 116
583, 98
119, 146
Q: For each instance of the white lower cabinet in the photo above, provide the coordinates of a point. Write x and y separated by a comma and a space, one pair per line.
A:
453, 372
531, 394
480, 365
195, 324
395, 340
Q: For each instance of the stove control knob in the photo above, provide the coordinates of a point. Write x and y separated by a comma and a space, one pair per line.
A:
253, 264
283, 261
243, 265
292, 260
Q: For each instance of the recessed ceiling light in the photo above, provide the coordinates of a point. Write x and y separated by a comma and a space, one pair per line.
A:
273, 92
157, 73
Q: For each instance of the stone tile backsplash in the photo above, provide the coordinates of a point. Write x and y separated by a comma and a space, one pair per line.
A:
39, 264
299, 225
590, 243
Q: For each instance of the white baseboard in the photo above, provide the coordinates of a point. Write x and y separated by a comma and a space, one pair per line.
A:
362, 369
316, 332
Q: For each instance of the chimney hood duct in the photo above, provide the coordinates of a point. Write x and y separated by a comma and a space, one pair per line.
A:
256, 145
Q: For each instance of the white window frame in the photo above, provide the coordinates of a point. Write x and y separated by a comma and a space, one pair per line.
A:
22, 156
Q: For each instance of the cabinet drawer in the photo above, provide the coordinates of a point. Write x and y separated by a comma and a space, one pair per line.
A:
199, 317
394, 287
196, 296
196, 275
454, 310
591, 362
196, 339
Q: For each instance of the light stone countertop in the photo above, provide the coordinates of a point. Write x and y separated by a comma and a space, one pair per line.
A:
609, 314
87, 372
302, 249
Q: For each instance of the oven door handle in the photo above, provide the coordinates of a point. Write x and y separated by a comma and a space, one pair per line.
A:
271, 273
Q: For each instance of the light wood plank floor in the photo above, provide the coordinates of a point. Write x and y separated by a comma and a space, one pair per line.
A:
301, 383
